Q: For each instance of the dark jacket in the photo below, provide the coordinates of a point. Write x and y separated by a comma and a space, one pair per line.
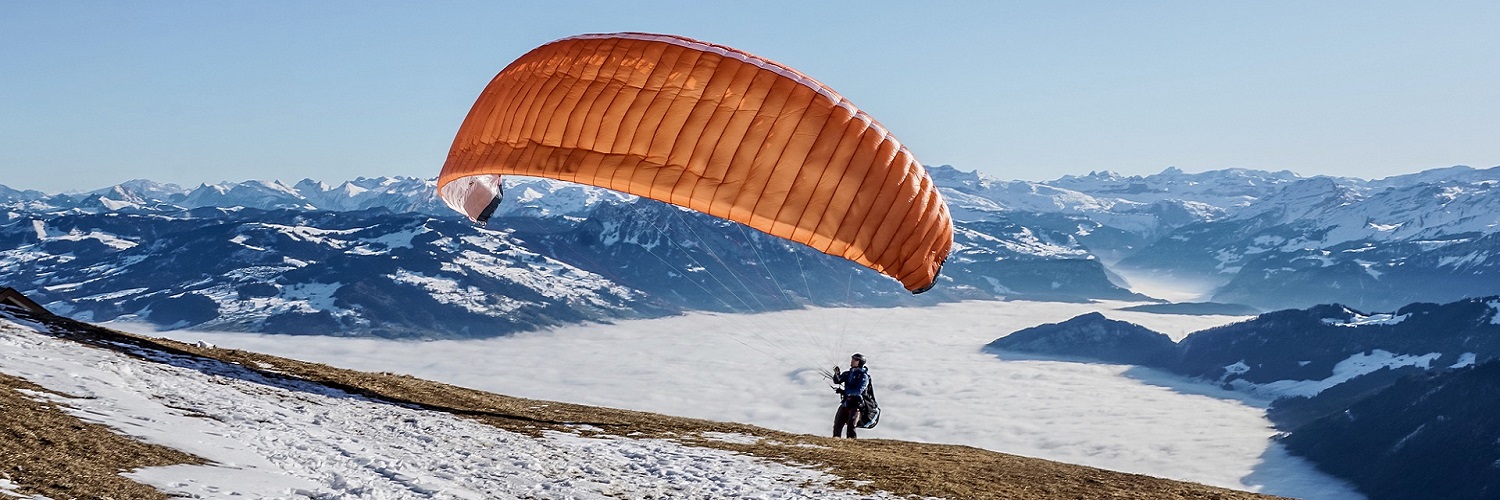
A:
855, 381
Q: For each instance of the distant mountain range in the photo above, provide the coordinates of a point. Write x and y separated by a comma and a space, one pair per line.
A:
383, 256
1272, 240
1404, 404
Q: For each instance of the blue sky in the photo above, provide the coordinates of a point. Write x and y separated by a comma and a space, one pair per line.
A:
95, 93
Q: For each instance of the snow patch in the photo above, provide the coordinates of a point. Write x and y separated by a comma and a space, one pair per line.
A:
1353, 366
311, 234
397, 239
311, 297
1462, 260
46, 234
1369, 268
113, 295
448, 291
1357, 319
240, 239
8, 490
1402, 443
733, 438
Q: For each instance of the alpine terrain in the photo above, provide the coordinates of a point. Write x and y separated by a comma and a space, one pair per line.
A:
383, 257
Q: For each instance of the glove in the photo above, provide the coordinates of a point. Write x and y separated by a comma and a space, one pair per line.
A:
835, 371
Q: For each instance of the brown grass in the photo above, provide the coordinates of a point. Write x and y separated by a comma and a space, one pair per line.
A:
899, 467
51, 453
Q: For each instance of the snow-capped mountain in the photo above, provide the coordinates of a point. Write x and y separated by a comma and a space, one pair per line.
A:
974, 196
333, 273
382, 257
1229, 188
398, 194
1271, 239
137, 192
1268, 239
1320, 241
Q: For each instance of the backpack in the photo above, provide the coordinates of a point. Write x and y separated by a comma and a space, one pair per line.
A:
869, 410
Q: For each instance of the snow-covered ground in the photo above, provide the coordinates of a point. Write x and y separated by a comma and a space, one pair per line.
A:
272, 438
934, 382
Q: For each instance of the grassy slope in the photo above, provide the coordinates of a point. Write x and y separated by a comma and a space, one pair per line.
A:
900, 467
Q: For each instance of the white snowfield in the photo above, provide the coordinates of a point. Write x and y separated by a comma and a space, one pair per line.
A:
275, 438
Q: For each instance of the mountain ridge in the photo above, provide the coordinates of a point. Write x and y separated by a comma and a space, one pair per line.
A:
1266, 240
1368, 397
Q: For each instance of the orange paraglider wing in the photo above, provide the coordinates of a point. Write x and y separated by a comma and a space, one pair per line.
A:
709, 128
